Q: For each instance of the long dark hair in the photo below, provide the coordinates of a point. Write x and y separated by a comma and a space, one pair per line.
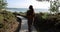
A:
30, 12
31, 8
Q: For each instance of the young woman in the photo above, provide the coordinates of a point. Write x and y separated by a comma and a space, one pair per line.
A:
30, 16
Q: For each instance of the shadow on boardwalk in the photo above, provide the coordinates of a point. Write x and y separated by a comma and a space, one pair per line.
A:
19, 26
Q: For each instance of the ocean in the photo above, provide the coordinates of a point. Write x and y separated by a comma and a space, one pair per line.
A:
25, 10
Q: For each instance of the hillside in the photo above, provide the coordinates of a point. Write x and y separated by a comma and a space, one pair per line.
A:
8, 22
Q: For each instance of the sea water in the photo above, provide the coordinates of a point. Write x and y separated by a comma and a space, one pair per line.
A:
25, 10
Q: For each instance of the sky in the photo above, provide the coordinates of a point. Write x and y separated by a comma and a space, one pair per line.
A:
26, 3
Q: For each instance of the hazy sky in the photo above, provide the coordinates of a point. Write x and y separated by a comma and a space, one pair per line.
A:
26, 3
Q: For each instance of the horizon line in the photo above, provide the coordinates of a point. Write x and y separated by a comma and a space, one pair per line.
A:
27, 8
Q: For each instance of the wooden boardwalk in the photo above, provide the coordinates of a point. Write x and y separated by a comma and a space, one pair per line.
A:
24, 25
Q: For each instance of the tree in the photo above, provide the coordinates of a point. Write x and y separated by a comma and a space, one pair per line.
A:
42, 0
54, 5
3, 4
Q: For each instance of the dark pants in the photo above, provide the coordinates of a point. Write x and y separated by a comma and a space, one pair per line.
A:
30, 24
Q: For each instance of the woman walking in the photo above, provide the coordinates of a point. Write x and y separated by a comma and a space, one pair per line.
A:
30, 16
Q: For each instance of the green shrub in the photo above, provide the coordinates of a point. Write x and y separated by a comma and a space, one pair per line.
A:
45, 15
1, 18
1, 25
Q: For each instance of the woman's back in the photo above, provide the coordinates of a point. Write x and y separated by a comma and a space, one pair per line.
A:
30, 14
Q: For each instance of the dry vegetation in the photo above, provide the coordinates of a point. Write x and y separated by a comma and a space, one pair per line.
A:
8, 22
